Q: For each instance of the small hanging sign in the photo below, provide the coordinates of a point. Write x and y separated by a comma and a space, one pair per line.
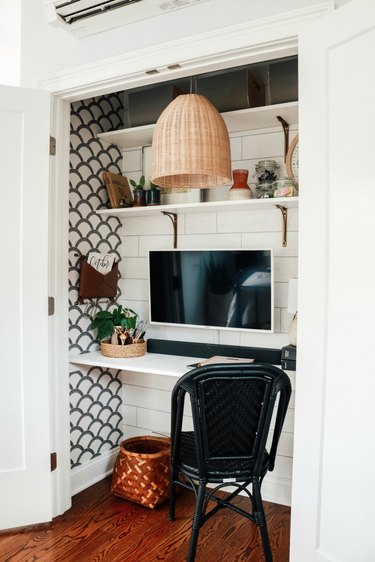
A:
101, 262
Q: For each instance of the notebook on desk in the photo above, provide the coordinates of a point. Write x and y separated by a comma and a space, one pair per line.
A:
221, 359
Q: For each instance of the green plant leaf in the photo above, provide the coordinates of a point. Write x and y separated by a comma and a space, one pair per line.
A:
142, 181
132, 182
105, 329
103, 314
128, 323
105, 321
117, 315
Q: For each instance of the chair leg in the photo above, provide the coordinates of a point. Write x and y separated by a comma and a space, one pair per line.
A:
260, 519
197, 521
172, 501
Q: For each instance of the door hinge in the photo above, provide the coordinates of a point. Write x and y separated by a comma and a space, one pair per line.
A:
51, 306
53, 461
52, 146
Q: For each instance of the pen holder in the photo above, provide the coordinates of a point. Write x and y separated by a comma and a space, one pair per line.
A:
131, 350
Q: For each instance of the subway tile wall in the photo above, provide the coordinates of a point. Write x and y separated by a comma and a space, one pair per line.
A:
147, 398
223, 229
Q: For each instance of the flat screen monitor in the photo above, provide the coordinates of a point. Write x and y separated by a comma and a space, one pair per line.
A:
222, 289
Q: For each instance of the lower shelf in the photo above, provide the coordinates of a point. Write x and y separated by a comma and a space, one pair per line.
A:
153, 363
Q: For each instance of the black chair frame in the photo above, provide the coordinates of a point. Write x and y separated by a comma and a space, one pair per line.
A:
226, 468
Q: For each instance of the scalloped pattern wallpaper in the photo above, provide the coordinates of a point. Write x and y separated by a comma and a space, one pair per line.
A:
95, 393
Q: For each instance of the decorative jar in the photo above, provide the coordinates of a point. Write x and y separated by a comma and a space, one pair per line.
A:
284, 187
264, 190
240, 188
266, 172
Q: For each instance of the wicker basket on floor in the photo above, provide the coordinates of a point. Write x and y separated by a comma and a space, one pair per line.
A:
142, 470
130, 350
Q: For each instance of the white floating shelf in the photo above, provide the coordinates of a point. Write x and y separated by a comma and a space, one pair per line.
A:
129, 138
209, 206
153, 363
261, 117
240, 120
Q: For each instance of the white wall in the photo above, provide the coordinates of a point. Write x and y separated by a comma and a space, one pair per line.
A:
47, 49
10, 50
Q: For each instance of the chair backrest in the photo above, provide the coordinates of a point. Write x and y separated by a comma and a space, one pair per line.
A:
232, 406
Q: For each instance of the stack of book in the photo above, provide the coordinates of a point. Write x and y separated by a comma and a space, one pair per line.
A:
289, 357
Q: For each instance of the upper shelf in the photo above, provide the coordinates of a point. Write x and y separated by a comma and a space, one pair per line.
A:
240, 120
209, 206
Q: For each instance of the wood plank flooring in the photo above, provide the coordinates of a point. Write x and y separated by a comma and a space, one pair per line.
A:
100, 526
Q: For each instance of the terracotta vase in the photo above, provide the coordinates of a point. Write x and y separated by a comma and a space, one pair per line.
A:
240, 188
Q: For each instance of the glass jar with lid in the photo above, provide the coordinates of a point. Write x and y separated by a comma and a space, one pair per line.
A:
264, 190
266, 172
284, 187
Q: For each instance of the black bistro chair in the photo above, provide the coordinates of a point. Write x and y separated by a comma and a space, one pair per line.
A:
232, 407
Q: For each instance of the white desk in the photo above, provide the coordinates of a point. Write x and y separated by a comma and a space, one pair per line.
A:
153, 363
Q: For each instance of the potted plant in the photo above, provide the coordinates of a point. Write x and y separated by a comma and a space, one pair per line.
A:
139, 194
120, 321
115, 329
140, 184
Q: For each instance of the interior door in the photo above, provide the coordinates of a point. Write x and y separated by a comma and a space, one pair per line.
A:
334, 454
25, 477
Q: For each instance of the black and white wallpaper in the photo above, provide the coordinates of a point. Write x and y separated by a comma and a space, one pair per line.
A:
95, 393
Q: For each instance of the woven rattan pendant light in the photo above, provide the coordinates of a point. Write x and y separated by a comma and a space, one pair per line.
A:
190, 146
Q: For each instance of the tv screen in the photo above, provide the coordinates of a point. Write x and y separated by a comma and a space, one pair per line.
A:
226, 289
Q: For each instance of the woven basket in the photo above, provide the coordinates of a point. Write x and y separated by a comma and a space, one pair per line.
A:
142, 470
130, 350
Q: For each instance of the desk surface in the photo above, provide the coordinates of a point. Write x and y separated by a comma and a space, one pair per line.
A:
155, 363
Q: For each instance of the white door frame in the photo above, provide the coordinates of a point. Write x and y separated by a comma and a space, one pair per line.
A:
59, 321
247, 43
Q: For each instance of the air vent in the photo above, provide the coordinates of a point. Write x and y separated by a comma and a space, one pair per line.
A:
87, 17
76, 10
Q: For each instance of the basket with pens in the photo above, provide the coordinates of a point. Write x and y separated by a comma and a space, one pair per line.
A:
120, 332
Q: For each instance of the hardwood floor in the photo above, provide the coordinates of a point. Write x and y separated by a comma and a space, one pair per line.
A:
100, 526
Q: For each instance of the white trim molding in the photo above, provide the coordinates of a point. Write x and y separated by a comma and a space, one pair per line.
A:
244, 43
277, 489
93, 471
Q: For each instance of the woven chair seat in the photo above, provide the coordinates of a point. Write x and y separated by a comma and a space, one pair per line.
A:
216, 469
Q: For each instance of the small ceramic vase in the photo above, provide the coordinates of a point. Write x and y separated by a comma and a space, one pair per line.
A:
240, 188
139, 197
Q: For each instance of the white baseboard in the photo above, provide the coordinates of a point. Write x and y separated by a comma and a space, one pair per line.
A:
274, 489
277, 490
86, 475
